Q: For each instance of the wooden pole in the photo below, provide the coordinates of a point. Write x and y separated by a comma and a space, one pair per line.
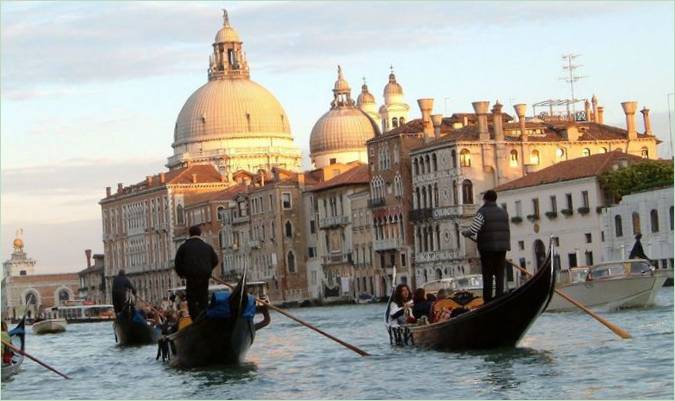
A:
24, 353
309, 326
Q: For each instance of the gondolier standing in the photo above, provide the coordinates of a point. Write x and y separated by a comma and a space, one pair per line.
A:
120, 286
195, 259
490, 228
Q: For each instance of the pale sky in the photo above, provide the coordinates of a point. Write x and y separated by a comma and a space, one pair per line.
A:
90, 91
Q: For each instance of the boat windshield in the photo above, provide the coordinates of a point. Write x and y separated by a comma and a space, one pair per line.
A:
469, 282
607, 271
639, 266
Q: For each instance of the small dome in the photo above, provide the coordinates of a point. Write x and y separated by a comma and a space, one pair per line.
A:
392, 87
341, 85
365, 96
227, 34
18, 243
342, 129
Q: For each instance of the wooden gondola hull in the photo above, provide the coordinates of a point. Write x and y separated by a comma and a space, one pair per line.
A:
501, 323
213, 342
18, 338
129, 332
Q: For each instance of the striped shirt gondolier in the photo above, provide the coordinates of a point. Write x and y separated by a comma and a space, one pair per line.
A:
476, 225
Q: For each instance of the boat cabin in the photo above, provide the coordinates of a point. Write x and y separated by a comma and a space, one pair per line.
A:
470, 282
256, 288
82, 313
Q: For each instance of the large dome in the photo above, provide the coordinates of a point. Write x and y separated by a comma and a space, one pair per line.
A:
230, 108
342, 129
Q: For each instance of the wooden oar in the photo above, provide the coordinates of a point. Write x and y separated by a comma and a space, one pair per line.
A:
288, 315
24, 353
616, 329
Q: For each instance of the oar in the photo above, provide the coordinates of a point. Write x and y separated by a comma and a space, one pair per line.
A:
24, 353
616, 329
288, 315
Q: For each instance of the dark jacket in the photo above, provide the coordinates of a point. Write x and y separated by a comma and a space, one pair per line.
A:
494, 235
195, 259
121, 284
421, 309
637, 252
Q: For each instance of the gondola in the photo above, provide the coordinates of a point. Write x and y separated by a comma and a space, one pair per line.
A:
18, 337
222, 336
500, 323
131, 328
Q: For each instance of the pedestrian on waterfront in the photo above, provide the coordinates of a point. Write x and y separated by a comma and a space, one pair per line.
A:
638, 252
195, 259
421, 306
401, 305
120, 288
490, 229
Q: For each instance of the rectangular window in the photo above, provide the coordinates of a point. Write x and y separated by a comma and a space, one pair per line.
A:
570, 204
393, 259
403, 259
602, 236
584, 198
286, 200
572, 257
519, 209
554, 204
521, 245
556, 241
664, 263
312, 226
589, 258
535, 207
311, 252
589, 238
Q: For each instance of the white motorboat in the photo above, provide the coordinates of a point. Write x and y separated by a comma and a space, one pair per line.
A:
48, 326
611, 285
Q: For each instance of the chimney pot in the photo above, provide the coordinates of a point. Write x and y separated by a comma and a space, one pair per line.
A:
521, 109
108, 191
437, 120
194, 178
481, 108
426, 105
148, 180
594, 101
600, 118
587, 110
87, 253
497, 121
162, 179
629, 109
120, 187
647, 121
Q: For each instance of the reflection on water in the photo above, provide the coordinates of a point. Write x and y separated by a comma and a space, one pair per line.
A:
563, 356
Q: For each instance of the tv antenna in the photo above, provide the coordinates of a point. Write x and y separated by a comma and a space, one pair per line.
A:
572, 75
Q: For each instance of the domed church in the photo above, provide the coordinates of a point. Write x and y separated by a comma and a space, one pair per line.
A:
231, 121
340, 135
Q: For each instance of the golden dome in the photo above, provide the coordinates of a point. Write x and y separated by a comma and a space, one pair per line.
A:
365, 96
341, 84
230, 108
392, 87
18, 243
226, 33
342, 129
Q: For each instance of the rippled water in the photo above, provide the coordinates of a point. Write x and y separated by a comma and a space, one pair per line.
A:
563, 356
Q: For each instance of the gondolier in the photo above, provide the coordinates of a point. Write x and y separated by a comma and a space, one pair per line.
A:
490, 228
195, 259
121, 285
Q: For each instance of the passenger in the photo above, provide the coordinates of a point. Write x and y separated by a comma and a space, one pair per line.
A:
437, 312
431, 298
6, 352
401, 305
442, 294
421, 307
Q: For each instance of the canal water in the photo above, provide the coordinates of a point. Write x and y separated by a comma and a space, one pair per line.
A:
563, 356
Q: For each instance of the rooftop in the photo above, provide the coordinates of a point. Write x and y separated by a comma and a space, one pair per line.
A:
354, 176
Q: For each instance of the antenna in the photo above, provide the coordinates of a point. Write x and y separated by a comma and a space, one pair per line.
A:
572, 76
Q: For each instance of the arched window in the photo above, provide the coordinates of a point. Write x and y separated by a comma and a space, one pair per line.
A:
465, 158
401, 121
467, 192
586, 152
290, 262
436, 195
453, 155
561, 154
221, 213
424, 198
455, 197
288, 229
514, 158
434, 163
534, 157
603, 150
416, 167
394, 122
654, 217
636, 223
418, 199
64, 295
439, 274
180, 215
618, 227
644, 152
427, 162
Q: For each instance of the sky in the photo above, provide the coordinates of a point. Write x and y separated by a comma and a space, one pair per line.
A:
90, 91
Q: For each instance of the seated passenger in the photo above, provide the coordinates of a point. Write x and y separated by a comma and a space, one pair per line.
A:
400, 307
421, 307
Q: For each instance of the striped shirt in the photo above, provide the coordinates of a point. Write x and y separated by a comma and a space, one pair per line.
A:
476, 225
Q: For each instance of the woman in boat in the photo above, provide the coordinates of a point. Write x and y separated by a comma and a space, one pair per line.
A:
6, 352
421, 306
401, 306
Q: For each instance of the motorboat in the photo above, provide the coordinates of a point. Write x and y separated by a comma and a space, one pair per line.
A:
48, 326
611, 285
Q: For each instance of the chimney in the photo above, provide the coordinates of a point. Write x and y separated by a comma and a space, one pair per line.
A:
629, 109
437, 120
594, 102
520, 112
647, 121
572, 133
87, 253
497, 121
587, 110
600, 118
481, 109
426, 105
162, 179
194, 178
108, 192
120, 187
148, 180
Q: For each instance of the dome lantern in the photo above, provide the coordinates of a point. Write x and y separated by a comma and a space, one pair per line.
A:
228, 59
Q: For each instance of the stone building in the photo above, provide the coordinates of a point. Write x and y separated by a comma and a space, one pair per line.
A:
92, 279
368, 277
462, 157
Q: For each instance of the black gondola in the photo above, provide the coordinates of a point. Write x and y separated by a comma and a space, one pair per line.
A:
131, 328
18, 337
500, 323
217, 339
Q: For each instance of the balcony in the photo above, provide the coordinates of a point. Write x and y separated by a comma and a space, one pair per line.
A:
375, 202
254, 244
420, 214
333, 221
240, 219
336, 258
387, 244
455, 211
438, 256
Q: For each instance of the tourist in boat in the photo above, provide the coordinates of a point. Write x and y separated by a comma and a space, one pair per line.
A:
401, 306
638, 252
195, 259
6, 352
120, 287
490, 229
421, 306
